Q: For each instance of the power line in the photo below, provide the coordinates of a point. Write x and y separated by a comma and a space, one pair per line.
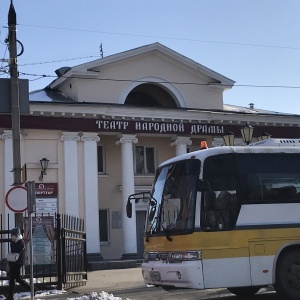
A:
164, 37
60, 60
161, 82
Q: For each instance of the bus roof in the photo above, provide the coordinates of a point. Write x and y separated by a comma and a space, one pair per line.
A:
278, 143
266, 146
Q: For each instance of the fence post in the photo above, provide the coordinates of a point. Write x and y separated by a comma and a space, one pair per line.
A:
59, 252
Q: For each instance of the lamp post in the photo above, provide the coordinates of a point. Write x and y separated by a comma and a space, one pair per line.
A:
247, 132
44, 165
264, 136
228, 138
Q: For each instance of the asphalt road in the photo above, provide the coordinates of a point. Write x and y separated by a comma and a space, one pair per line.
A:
128, 283
159, 294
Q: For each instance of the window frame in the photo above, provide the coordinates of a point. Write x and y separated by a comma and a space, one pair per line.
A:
103, 160
107, 221
145, 160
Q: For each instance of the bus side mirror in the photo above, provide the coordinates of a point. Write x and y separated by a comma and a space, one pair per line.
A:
129, 209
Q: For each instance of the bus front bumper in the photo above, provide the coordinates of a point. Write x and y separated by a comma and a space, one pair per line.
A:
186, 274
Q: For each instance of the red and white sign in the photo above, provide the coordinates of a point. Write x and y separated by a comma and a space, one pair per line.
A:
46, 198
16, 199
46, 190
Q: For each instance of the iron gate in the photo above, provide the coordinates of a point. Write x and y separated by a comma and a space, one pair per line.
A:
74, 261
66, 264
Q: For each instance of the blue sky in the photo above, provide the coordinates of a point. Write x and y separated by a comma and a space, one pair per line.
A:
256, 43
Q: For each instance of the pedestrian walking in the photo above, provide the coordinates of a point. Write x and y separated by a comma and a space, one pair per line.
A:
17, 245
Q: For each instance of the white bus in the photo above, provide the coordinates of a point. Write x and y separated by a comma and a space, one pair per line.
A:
226, 217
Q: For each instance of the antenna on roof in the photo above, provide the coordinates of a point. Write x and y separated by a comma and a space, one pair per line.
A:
101, 51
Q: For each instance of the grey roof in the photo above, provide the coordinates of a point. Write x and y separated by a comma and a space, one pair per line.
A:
49, 95
242, 109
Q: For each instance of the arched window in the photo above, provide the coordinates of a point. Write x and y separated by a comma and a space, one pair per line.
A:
150, 95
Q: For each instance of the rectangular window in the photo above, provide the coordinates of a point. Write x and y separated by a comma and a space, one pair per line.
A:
104, 225
144, 160
269, 178
100, 159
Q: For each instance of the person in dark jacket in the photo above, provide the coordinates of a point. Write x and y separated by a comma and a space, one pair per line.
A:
17, 245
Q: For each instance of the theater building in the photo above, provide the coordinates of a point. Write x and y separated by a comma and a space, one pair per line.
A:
107, 124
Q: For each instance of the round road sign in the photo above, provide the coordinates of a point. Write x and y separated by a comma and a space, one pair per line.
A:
16, 199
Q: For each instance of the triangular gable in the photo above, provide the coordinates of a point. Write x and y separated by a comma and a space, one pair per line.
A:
89, 70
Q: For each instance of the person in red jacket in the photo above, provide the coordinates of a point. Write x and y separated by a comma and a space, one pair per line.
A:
17, 245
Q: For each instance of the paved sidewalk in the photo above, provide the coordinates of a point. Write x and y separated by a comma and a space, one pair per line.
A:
104, 280
107, 280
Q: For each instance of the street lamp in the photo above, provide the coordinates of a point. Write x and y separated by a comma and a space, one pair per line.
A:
247, 132
44, 165
264, 136
228, 138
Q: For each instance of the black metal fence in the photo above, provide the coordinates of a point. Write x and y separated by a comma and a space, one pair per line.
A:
59, 250
74, 260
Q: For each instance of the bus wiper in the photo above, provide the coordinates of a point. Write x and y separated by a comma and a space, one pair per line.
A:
151, 218
150, 230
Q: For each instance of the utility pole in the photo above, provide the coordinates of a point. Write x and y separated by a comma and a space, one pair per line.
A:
14, 94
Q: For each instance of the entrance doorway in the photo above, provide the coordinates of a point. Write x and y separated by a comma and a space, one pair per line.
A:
140, 228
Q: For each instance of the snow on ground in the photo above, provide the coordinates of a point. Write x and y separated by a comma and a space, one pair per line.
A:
91, 296
27, 295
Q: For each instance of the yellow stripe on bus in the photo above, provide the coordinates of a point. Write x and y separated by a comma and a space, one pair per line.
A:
228, 244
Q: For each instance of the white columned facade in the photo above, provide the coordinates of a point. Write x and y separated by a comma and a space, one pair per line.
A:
181, 143
91, 193
129, 224
70, 140
8, 174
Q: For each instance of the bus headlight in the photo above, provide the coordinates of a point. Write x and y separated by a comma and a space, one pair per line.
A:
184, 256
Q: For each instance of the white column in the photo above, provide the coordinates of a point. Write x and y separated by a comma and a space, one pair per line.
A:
8, 174
181, 143
91, 192
129, 224
70, 140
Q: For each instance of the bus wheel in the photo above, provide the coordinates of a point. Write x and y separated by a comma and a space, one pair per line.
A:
288, 275
244, 291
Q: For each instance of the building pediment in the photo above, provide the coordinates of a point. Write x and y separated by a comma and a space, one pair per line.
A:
90, 69
152, 75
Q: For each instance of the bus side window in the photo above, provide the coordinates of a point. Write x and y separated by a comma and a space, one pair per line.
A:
209, 220
210, 200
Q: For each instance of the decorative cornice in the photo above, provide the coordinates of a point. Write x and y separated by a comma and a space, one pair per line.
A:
90, 136
217, 142
181, 140
70, 136
7, 135
127, 138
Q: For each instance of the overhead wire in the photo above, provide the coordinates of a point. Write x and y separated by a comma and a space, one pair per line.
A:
161, 81
59, 60
40, 76
164, 37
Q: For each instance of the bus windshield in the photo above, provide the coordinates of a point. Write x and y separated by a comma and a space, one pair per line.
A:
175, 191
